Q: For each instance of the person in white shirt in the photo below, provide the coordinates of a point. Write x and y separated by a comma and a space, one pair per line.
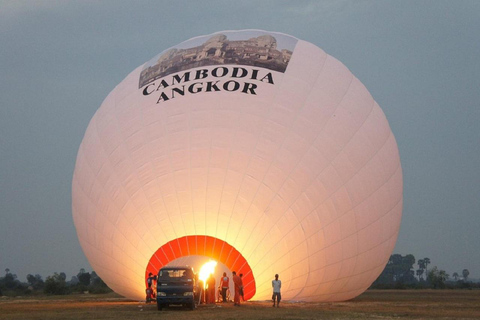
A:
276, 285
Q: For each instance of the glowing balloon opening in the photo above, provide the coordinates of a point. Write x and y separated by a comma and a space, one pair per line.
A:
210, 247
206, 270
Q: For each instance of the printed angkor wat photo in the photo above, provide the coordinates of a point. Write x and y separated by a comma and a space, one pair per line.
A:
260, 52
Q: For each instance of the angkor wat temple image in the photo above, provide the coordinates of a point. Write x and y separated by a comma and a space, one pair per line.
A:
260, 52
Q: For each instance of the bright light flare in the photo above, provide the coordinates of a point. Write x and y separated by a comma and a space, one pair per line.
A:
206, 270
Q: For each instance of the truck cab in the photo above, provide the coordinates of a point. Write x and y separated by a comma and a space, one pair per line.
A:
176, 285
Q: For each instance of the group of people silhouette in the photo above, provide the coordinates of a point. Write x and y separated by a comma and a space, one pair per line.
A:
222, 292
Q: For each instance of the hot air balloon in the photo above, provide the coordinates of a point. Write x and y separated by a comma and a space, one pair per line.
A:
251, 148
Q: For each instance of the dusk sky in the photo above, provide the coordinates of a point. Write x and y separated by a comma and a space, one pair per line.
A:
420, 60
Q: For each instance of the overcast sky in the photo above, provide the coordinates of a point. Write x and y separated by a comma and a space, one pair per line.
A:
59, 59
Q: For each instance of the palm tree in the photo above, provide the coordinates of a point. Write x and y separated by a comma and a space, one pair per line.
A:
421, 266
455, 276
419, 274
427, 262
465, 274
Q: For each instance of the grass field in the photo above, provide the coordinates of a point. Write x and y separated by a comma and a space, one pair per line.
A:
373, 304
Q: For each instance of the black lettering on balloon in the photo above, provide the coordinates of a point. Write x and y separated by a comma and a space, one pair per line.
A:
185, 77
201, 74
192, 88
209, 86
236, 70
145, 90
249, 87
215, 72
236, 85
163, 97
268, 77
179, 91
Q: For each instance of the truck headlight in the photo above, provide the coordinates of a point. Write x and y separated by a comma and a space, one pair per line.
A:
188, 293
161, 294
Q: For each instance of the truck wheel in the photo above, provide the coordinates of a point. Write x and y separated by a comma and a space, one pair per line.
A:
192, 305
159, 306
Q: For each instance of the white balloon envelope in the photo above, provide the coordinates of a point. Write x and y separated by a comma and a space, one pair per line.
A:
253, 148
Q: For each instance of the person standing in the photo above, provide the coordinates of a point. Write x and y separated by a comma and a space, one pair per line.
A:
224, 282
151, 278
211, 289
150, 294
241, 288
237, 281
202, 293
276, 285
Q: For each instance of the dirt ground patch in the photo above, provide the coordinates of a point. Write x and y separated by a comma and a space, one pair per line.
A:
373, 304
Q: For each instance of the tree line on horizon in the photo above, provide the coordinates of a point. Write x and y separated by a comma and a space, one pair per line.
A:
399, 273
55, 284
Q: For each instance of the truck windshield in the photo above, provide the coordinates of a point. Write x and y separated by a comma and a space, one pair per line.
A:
177, 274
